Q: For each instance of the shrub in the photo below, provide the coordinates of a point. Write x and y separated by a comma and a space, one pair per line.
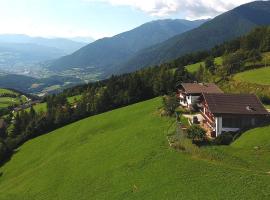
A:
170, 104
196, 133
224, 139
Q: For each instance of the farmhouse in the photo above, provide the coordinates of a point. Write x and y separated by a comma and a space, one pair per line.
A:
231, 112
189, 93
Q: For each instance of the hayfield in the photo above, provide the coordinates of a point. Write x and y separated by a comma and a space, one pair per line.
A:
124, 154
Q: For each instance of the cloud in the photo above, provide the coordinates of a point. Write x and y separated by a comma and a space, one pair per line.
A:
192, 9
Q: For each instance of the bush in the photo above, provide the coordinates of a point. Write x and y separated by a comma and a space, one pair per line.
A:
170, 104
224, 139
196, 133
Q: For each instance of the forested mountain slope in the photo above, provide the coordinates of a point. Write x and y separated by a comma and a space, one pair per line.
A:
107, 53
225, 27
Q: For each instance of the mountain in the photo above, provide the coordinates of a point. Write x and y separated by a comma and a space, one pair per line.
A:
12, 54
107, 53
18, 51
224, 27
67, 46
83, 39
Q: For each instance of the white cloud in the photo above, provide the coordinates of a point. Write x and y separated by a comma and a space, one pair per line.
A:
192, 9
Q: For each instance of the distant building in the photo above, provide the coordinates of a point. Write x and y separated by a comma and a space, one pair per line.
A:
232, 112
190, 93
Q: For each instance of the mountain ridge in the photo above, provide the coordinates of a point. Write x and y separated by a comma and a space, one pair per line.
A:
226, 26
108, 52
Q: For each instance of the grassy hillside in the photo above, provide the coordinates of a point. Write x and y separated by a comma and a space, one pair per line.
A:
124, 154
260, 76
6, 91
11, 98
43, 106
194, 67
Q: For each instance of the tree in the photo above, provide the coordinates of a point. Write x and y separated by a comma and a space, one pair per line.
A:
254, 56
170, 104
196, 133
210, 64
234, 62
200, 74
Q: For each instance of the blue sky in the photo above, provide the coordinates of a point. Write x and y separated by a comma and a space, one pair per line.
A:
99, 18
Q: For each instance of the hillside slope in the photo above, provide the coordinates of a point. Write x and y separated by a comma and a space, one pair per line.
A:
224, 27
107, 52
121, 154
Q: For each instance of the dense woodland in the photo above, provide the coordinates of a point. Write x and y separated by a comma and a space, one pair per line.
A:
127, 89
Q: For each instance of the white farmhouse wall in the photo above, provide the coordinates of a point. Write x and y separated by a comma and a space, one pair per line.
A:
218, 121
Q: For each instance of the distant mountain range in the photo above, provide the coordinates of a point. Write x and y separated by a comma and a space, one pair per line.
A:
65, 45
106, 54
160, 41
22, 49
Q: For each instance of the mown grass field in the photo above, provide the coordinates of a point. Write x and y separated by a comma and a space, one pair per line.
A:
260, 76
124, 154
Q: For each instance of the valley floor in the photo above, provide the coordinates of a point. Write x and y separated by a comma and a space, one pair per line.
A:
124, 154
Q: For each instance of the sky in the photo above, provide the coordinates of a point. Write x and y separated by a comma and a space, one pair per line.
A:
99, 18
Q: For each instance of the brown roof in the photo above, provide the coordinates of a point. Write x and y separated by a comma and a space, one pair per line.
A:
198, 88
245, 104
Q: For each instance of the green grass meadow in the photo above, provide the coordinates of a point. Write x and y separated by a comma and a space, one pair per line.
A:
259, 76
124, 154
6, 91
42, 107
194, 67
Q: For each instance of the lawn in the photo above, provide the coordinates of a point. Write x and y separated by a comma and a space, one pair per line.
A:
124, 154
259, 76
